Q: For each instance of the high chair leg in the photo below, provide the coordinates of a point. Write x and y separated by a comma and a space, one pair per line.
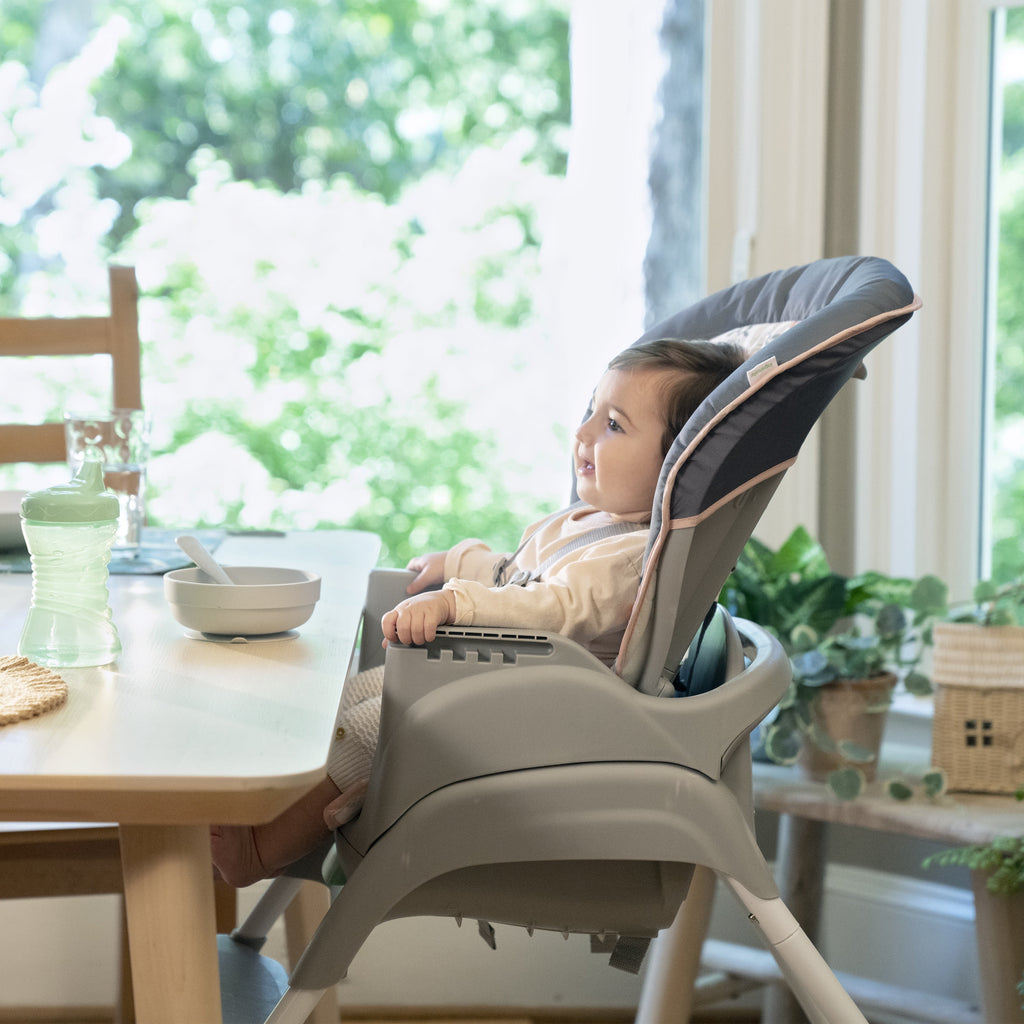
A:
674, 960
124, 1008
270, 906
296, 1006
301, 918
823, 999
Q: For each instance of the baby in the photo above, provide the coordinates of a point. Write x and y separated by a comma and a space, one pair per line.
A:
576, 573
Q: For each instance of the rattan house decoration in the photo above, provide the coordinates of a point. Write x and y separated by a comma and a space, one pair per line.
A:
978, 726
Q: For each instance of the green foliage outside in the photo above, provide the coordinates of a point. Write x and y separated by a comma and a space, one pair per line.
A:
336, 213
1008, 369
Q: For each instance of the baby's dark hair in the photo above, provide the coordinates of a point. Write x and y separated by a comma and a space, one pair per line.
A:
691, 371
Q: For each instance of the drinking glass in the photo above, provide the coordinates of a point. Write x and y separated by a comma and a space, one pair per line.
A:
119, 438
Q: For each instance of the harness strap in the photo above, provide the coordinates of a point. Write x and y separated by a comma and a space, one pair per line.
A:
522, 577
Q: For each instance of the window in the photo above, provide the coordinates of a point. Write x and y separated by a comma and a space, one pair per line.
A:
1003, 459
336, 215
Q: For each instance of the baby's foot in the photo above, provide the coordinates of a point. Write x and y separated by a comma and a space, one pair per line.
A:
235, 855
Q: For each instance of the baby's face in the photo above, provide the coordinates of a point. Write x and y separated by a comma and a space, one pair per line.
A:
617, 449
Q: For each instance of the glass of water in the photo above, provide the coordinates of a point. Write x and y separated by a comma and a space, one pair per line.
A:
119, 438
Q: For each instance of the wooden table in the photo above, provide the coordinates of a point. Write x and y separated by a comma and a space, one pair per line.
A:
179, 734
958, 819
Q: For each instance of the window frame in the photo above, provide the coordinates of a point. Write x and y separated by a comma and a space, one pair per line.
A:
926, 150
759, 106
921, 195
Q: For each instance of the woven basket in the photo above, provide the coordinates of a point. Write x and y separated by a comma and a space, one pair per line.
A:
978, 728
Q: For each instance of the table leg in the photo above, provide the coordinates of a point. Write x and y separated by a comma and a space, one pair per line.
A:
168, 892
999, 927
800, 870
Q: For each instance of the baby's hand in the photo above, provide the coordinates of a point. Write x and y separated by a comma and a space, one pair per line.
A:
431, 571
415, 621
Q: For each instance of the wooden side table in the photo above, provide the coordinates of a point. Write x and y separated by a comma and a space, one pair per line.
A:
806, 810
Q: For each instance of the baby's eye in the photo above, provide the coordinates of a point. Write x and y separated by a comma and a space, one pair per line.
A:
613, 425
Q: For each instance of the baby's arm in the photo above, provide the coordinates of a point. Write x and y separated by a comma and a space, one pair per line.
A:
430, 568
415, 621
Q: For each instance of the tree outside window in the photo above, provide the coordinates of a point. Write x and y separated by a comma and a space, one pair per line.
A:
1005, 440
336, 213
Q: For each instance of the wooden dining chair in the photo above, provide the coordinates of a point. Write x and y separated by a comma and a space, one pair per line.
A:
115, 335
79, 859
73, 859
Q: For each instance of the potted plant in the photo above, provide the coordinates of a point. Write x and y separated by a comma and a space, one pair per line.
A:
978, 725
850, 641
993, 605
997, 876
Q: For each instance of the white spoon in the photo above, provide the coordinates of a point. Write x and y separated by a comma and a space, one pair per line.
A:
193, 547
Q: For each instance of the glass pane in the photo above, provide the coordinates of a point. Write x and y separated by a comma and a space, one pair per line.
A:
1002, 553
336, 212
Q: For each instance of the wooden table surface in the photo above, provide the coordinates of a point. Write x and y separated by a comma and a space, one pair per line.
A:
179, 734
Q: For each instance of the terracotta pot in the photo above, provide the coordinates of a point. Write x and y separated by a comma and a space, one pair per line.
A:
999, 915
848, 711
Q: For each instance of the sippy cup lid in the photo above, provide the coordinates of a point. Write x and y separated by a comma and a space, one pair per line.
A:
83, 500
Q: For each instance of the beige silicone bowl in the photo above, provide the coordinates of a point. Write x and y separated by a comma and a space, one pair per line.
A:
263, 600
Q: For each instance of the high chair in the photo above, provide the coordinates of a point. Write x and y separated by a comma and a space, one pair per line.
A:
519, 780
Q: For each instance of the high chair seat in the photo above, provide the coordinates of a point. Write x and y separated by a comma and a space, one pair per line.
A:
519, 780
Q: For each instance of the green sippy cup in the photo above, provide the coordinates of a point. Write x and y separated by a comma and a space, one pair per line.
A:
69, 529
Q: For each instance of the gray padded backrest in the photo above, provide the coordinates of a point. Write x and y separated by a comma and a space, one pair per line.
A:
730, 456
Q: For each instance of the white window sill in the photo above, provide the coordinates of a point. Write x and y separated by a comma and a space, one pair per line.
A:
909, 727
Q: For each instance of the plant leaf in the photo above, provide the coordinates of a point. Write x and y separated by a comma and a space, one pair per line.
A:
917, 683
801, 553
821, 739
846, 783
781, 745
898, 789
855, 752
929, 596
934, 782
891, 620
813, 668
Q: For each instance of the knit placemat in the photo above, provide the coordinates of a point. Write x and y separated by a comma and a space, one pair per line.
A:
28, 689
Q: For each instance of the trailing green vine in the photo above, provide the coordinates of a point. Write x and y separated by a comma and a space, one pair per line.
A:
1002, 860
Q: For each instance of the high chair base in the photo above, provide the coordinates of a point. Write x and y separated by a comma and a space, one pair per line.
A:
668, 986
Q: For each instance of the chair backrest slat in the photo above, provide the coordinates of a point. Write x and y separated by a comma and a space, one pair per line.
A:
116, 335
